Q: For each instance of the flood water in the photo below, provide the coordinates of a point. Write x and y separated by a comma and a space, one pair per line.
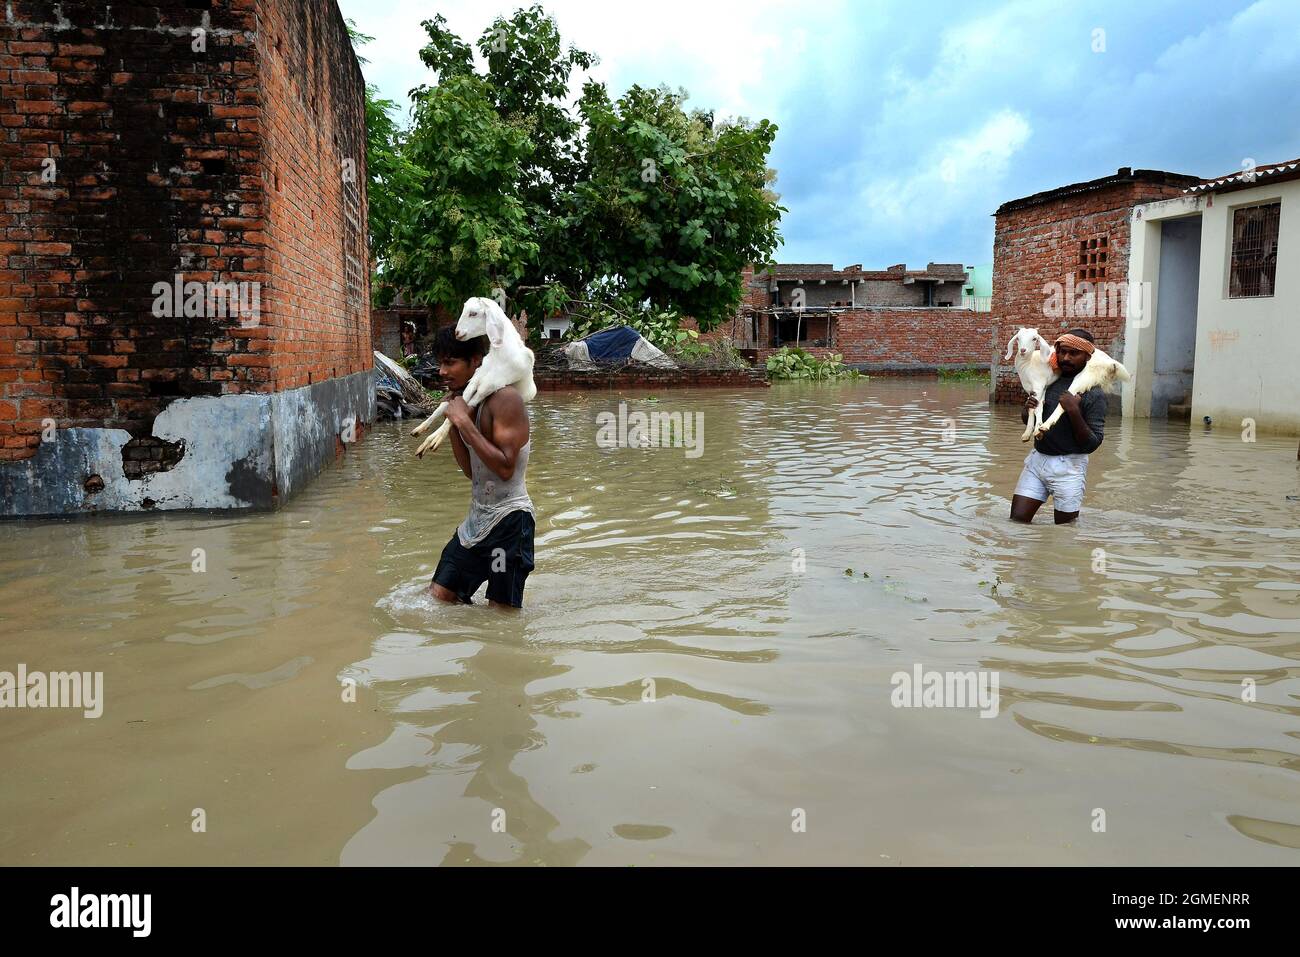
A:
483, 737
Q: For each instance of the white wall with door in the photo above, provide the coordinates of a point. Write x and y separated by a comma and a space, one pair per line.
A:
1245, 312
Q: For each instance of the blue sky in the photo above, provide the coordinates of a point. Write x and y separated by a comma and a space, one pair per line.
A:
903, 125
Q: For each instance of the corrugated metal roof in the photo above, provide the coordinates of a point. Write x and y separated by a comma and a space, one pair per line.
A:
1287, 170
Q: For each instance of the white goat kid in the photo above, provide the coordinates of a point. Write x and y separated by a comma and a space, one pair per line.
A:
1101, 371
1033, 359
508, 362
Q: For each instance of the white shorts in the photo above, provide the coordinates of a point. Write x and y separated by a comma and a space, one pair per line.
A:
1061, 476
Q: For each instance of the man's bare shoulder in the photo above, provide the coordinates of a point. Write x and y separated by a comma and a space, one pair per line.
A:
506, 401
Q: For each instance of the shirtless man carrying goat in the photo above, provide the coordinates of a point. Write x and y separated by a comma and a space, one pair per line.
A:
1058, 464
495, 542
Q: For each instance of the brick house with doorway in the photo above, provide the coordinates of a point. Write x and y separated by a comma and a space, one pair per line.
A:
1060, 260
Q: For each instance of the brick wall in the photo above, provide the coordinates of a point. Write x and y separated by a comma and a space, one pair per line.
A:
1040, 243
899, 339
131, 157
313, 115
649, 378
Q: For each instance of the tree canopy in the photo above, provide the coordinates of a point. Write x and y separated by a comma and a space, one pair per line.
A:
506, 184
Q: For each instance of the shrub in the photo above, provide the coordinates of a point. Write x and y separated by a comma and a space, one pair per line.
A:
797, 363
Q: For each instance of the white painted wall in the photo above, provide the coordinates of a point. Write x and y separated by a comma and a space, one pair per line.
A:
1247, 350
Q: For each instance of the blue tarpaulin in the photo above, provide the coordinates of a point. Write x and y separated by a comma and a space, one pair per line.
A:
611, 345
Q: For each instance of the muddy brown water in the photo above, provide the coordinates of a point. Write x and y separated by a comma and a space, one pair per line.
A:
481, 737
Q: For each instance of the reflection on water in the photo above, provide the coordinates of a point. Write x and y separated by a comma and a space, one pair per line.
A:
694, 667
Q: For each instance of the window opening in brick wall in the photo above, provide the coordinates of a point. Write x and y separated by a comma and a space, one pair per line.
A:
1254, 251
1092, 258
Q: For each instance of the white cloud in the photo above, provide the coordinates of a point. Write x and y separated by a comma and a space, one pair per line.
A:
931, 192
728, 55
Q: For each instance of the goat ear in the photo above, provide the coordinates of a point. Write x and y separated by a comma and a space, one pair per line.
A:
1046, 346
496, 329
1011, 346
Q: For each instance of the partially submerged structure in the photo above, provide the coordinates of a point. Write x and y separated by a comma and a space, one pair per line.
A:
1194, 283
184, 296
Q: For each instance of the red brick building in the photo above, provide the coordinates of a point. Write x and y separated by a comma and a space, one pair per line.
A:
163, 161
1060, 260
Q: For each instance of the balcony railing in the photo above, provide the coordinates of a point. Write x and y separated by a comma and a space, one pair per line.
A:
977, 303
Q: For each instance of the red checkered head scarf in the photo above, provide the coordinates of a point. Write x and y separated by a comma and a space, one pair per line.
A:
1071, 341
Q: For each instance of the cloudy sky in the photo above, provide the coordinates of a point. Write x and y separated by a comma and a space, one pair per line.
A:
903, 125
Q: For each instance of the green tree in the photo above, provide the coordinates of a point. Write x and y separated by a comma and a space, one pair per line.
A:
674, 204
391, 175
636, 204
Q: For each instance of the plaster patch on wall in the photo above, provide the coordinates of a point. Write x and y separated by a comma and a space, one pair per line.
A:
240, 451
60, 478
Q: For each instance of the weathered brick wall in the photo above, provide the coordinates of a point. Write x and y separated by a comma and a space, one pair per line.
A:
386, 332
1040, 244
121, 169
314, 168
131, 157
891, 293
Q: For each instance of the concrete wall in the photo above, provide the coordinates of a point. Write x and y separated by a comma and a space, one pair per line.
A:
871, 292
244, 451
1245, 348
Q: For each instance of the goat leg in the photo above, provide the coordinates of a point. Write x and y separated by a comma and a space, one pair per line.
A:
1030, 419
436, 439
1043, 427
428, 423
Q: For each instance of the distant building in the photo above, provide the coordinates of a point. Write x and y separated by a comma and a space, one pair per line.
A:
804, 302
977, 294
1220, 264
890, 320
1060, 260
555, 327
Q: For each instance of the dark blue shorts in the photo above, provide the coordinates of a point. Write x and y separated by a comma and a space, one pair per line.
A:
503, 559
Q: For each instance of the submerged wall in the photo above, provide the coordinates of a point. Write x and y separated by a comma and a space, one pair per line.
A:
245, 451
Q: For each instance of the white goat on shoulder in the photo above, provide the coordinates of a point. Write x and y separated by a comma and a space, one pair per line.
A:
1033, 360
1101, 371
508, 362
